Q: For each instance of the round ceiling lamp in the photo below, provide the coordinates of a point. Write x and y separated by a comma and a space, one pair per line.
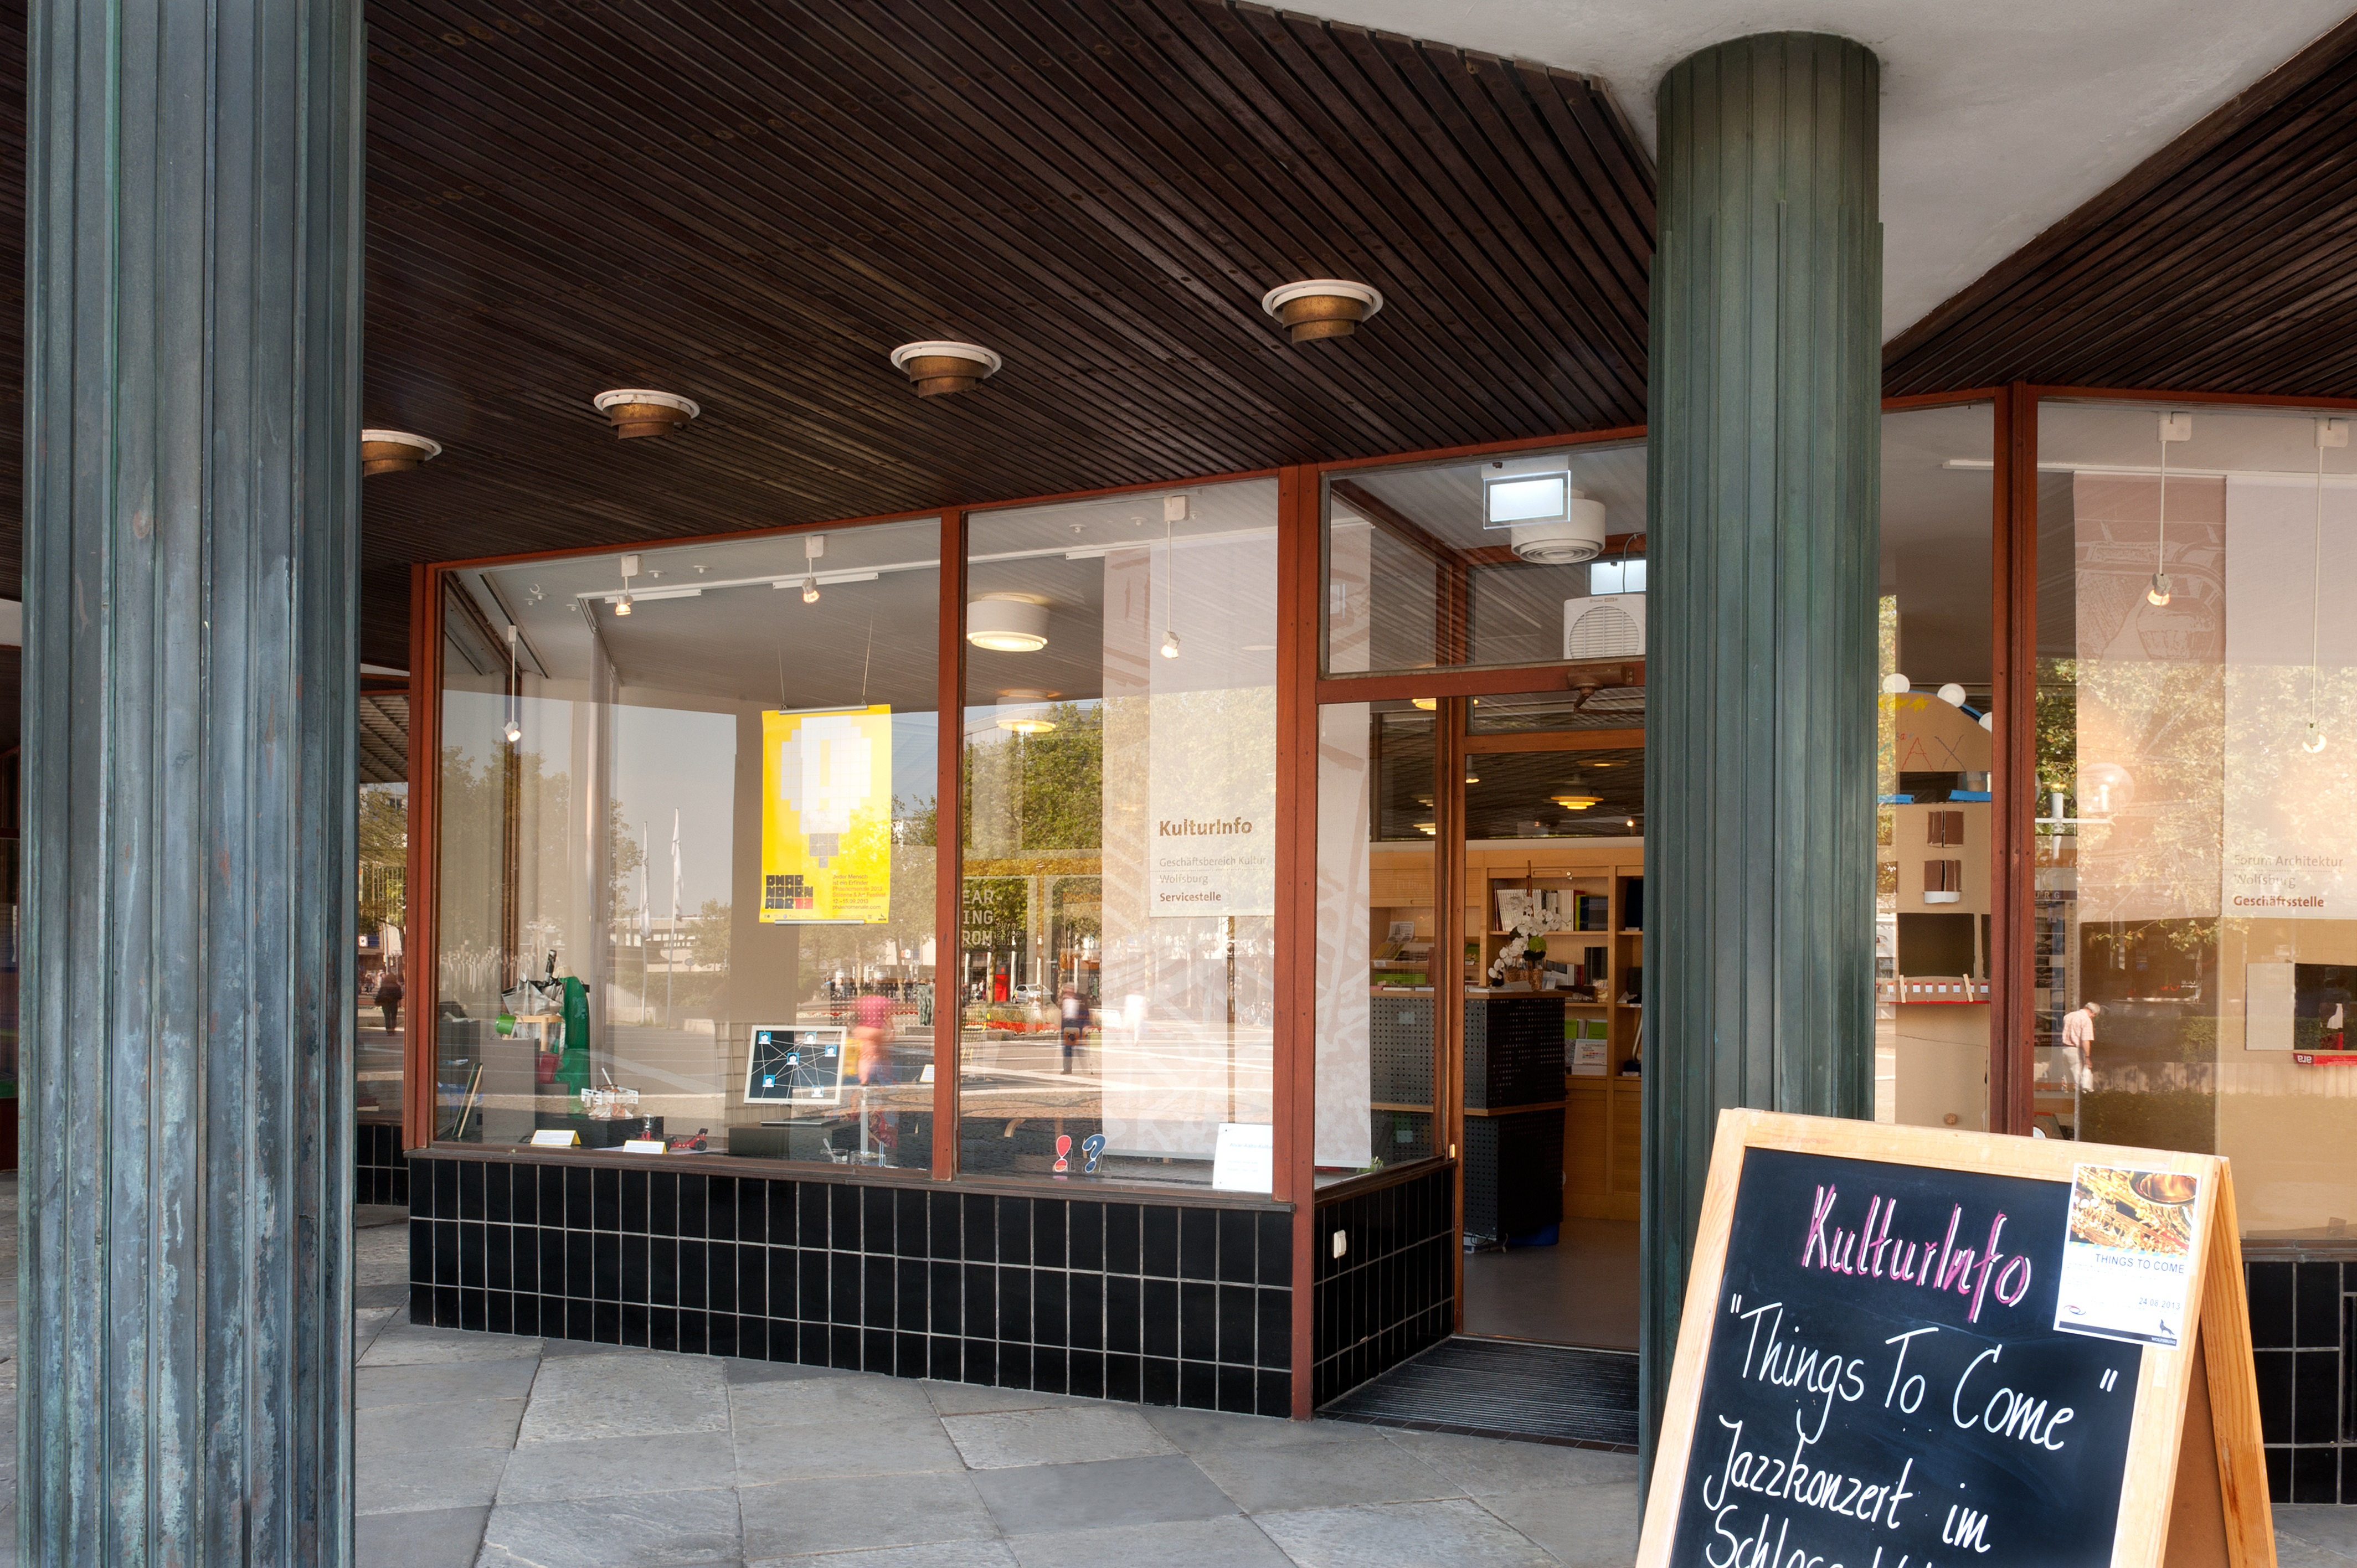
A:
1896, 685
938, 367
391, 451
1008, 623
1320, 307
1030, 719
637, 410
1576, 799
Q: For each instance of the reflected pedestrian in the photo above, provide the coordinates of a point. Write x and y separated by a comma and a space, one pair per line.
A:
388, 998
1076, 1023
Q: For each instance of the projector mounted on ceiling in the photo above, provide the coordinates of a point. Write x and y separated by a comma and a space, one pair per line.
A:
1548, 523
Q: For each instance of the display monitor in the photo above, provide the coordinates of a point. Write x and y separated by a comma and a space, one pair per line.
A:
793, 1065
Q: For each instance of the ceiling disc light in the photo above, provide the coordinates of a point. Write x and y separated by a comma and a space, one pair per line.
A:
1008, 623
1953, 694
1320, 307
1429, 829
392, 451
1896, 685
637, 410
1030, 719
1471, 777
1427, 704
938, 367
1575, 800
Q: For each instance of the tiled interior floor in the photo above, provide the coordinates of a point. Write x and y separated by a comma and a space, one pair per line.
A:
1581, 1291
482, 1449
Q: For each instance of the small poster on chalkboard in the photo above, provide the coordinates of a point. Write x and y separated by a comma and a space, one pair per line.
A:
1910, 1346
2128, 1259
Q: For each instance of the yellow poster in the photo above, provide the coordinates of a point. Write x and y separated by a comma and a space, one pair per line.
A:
826, 816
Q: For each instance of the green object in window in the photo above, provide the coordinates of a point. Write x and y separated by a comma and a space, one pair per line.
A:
573, 1066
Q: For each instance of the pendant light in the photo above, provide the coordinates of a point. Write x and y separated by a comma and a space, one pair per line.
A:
814, 547
514, 730
1169, 638
2328, 433
2173, 428
630, 570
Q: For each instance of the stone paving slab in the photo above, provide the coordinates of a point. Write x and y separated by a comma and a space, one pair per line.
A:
1065, 1436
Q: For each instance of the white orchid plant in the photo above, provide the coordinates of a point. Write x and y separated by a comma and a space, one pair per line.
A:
1527, 942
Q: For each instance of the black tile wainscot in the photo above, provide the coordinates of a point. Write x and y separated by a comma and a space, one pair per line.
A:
1392, 1293
2303, 1318
380, 1170
1120, 1296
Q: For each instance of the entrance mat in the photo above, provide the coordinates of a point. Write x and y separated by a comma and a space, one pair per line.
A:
1506, 1388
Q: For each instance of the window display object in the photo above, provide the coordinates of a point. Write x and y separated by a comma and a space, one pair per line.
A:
794, 1065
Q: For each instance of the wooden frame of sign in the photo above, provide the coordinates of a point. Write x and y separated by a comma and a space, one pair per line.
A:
2124, 1431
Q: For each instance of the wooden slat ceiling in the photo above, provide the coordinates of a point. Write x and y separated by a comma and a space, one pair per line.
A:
2227, 261
753, 204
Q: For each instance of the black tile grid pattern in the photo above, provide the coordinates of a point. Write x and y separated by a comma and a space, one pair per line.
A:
1155, 1302
2303, 1322
380, 1170
1388, 1297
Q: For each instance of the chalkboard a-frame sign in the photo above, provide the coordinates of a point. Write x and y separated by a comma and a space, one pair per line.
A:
1907, 1347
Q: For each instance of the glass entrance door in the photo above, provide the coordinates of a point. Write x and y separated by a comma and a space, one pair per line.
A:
1551, 1045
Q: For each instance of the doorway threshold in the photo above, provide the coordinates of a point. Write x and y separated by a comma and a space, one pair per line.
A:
1506, 1388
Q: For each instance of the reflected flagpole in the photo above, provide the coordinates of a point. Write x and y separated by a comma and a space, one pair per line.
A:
670, 950
646, 924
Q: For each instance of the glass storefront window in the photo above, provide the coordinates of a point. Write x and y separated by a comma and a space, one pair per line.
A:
1932, 751
686, 865
1489, 562
1378, 962
380, 921
1115, 976
2197, 722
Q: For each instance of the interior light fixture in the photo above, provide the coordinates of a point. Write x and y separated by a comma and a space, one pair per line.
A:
1429, 829
1169, 567
1547, 521
630, 570
1029, 719
814, 547
513, 731
638, 411
1896, 685
2330, 433
1427, 704
2173, 428
1315, 308
1953, 694
1471, 777
392, 451
1575, 799
1008, 623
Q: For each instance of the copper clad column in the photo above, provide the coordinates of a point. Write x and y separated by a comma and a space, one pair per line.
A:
190, 504
1765, 423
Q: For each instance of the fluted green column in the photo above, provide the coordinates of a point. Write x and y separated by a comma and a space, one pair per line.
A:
190, 512
1767, 312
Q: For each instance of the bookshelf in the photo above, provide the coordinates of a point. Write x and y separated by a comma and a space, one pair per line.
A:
1604, 1113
